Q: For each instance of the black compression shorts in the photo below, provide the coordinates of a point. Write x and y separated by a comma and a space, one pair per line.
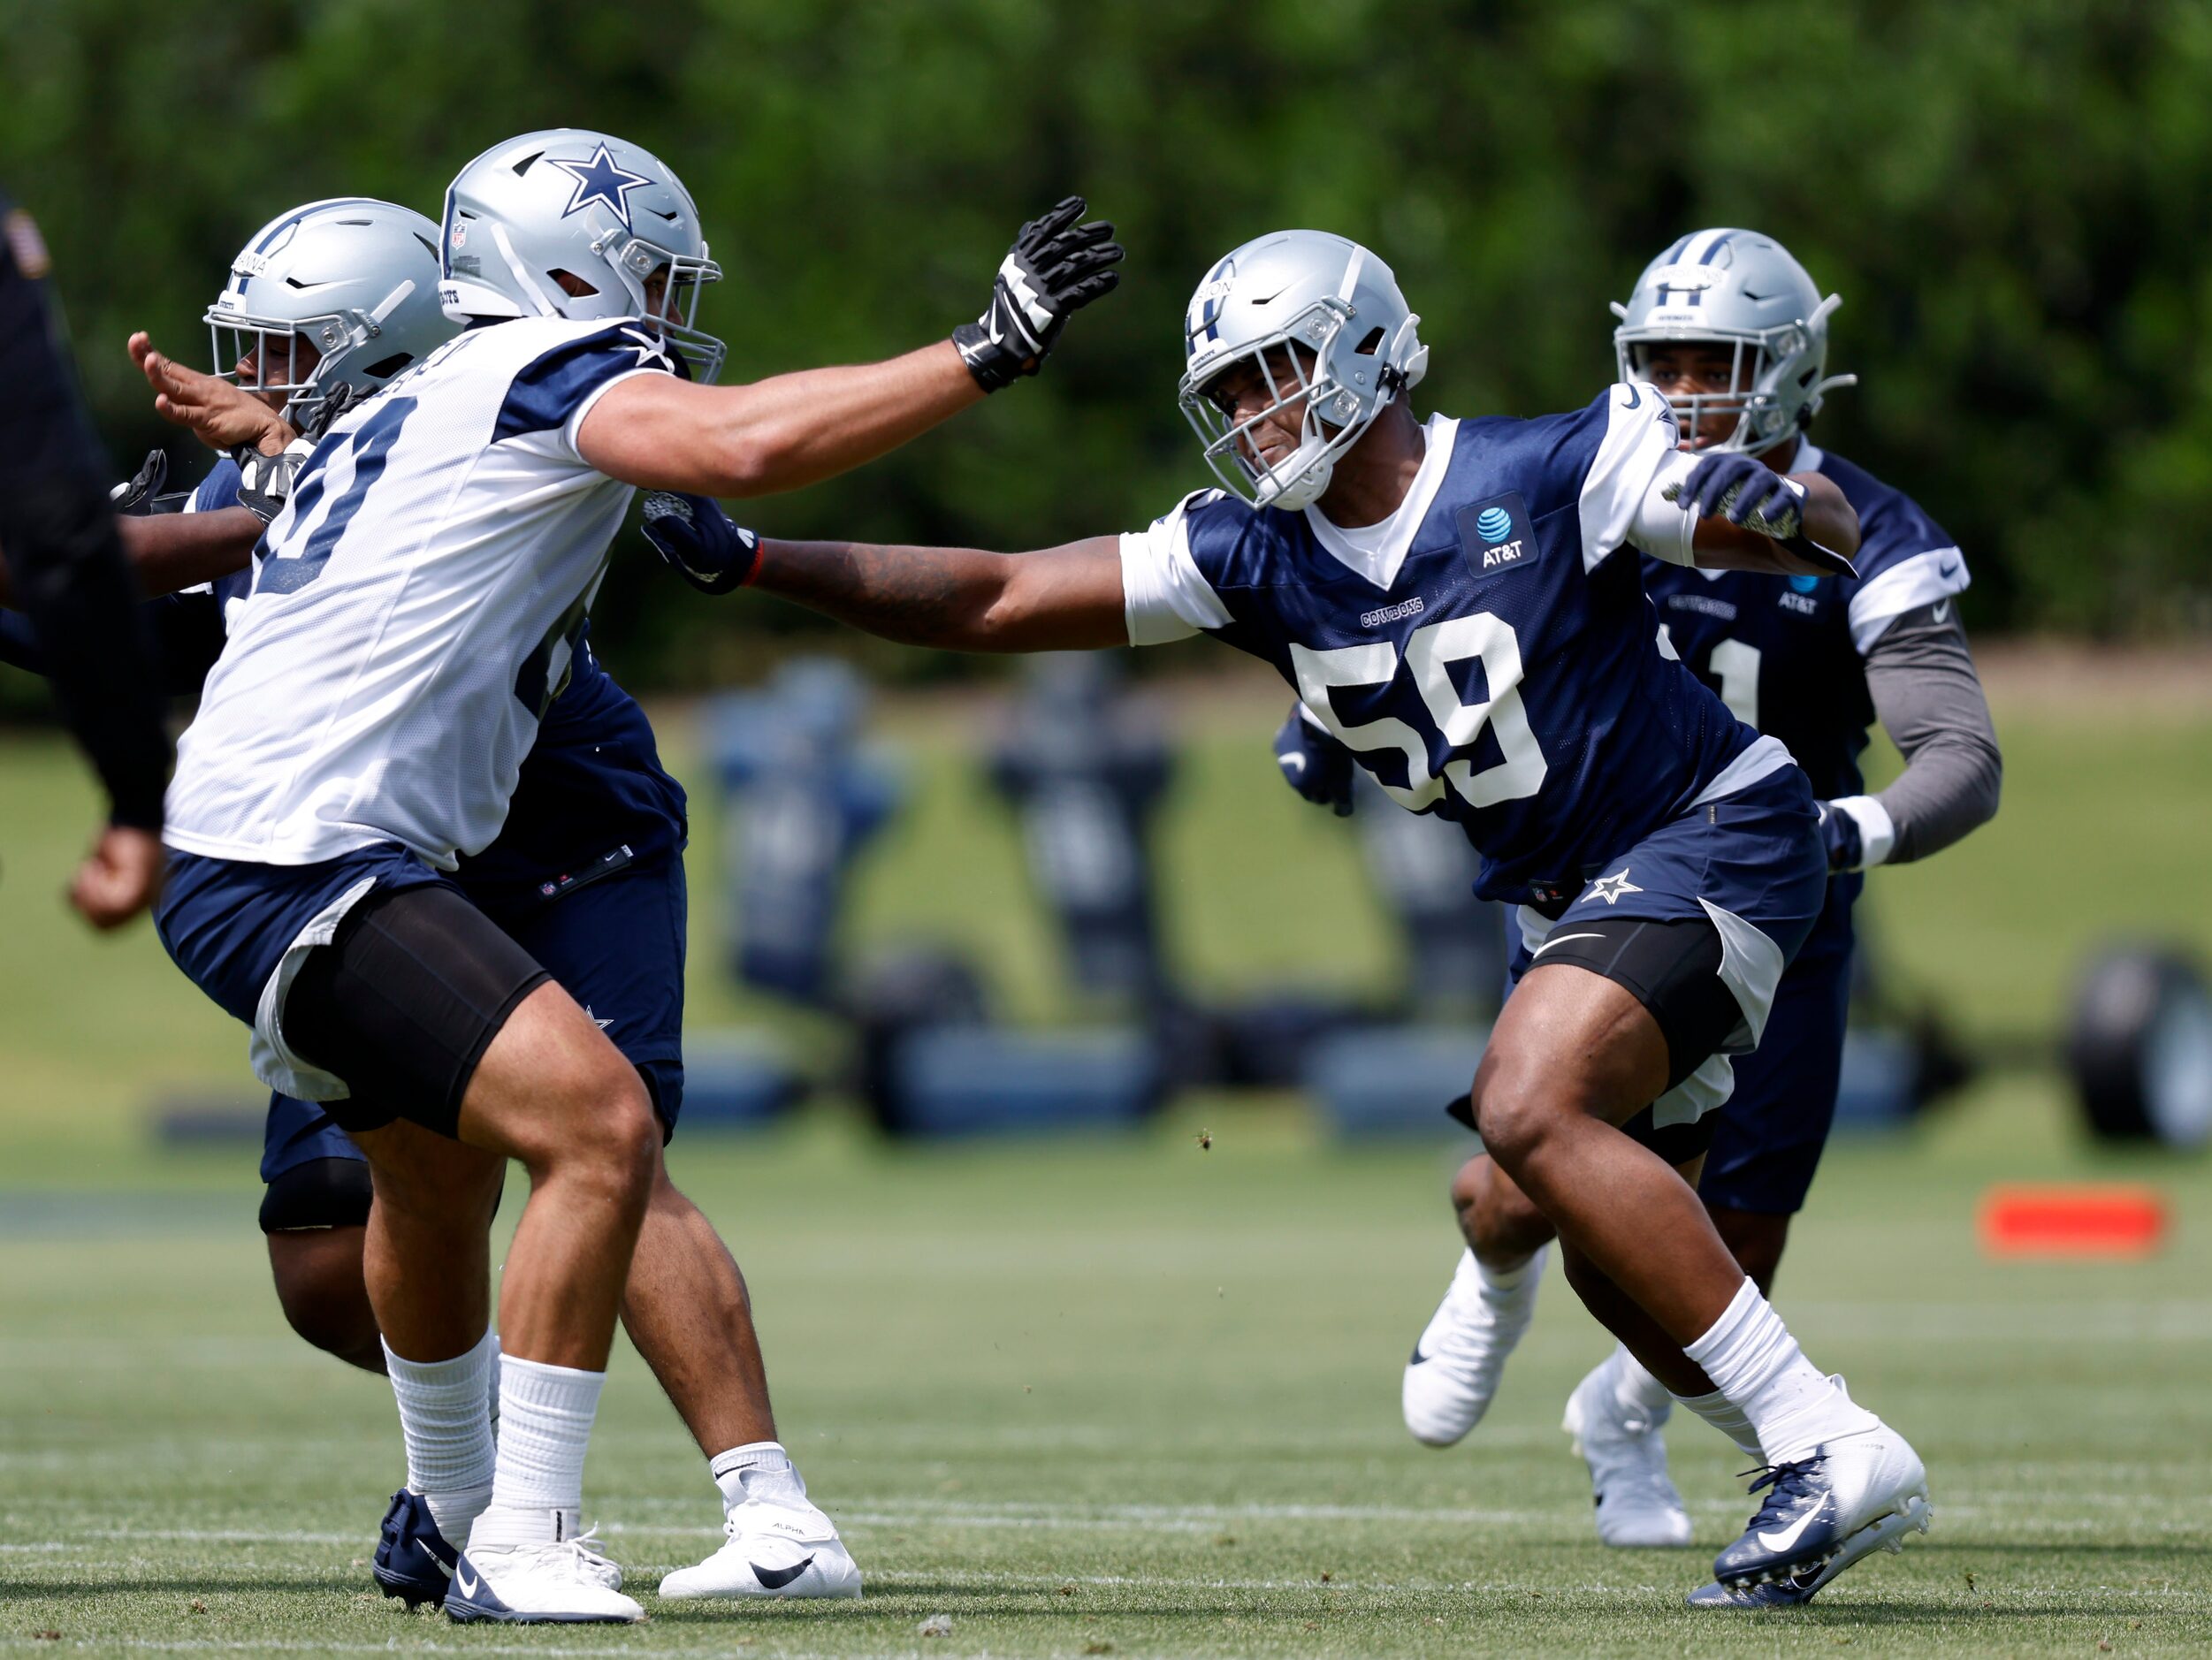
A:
1673, 970
403, 1003
319, 1194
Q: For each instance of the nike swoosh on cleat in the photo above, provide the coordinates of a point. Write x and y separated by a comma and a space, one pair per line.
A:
460, 1578
1790, 1535
776, 1579
1419, 1359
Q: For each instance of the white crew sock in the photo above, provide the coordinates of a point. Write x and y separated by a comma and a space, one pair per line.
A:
1756, 1364
492, 1384
762, 1459
447, 1432
1646, 1402
1728, 1420
546, 1414
1509, 1284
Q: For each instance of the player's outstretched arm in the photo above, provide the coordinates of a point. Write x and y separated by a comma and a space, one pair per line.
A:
961, 599
171, 551
778, 434
792, 431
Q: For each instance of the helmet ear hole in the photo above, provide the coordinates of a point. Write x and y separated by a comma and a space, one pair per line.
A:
574, 286
1368, 346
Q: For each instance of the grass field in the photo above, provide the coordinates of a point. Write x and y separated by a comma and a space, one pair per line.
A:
1137, 1398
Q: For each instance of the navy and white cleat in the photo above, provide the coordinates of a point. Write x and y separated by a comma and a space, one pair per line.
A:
414, 1562
562, 1583
1821, 1514
1772, 1594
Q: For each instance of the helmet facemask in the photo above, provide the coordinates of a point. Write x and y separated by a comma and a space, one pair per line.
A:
275, 345
1292, 364
674, 315
1759, 421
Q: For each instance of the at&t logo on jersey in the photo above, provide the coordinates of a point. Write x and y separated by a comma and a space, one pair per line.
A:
1496, 534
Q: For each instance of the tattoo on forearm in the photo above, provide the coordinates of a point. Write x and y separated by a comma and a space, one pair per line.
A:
916, 596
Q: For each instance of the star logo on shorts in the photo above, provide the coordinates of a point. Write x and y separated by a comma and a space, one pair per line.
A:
1610, 888
594, 1019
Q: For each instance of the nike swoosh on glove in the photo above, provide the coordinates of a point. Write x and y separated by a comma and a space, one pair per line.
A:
1058, 264
700, 543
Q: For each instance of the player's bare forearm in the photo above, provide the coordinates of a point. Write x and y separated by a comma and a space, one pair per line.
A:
961, 599
1828, 519
775, 435
171, 551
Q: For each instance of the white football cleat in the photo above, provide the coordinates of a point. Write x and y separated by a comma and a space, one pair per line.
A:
1853, 1495
1638, 1506
1462, 1350
779, 1545
556, 1583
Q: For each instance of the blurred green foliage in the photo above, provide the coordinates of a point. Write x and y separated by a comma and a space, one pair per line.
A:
2011, 194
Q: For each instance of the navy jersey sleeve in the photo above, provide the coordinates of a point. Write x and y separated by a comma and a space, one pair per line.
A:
552, 394
1905, 559
1167, 593
218, 489
65, 559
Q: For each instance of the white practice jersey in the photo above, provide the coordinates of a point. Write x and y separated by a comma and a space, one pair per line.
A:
414, 608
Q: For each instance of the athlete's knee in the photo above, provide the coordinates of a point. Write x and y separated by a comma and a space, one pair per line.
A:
1755, 1238
1516, 1109
611, 1134
1501, 1224
323, 1296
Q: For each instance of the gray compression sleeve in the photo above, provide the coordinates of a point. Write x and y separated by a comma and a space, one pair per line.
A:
1922, 680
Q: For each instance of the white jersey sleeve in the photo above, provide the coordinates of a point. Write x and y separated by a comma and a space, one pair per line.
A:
1637, 458
1164, 594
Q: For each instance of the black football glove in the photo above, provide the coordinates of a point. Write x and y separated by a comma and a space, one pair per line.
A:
265, 482
1315, 763
701, 544
1744, 491
1056, 268
136, 495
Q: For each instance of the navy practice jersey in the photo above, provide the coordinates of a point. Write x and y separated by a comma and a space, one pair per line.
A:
1482, 651
1788, 653
591, 782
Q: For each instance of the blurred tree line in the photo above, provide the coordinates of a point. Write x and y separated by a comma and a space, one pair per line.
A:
2011, 196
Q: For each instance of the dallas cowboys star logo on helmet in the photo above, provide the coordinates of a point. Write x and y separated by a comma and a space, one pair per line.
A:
601, 178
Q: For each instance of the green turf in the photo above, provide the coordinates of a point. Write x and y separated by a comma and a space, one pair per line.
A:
1138, 1397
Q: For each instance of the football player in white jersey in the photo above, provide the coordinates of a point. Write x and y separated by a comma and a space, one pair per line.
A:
594, 807
1454, 602
413, 613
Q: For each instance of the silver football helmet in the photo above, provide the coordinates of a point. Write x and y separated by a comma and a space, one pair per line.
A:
353, 279
1353, 346
1742, 290
606, 214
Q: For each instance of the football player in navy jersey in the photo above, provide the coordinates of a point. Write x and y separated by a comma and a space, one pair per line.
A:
1454, 602
1731, 329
